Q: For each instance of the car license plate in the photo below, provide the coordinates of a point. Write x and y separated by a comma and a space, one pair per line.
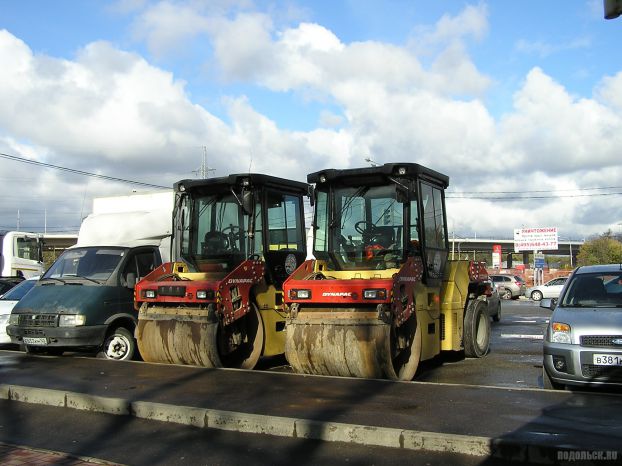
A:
35, 341
607, 360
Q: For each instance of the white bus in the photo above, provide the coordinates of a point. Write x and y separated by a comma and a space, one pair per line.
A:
22, 254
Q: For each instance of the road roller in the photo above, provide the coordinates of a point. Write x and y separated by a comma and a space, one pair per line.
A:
219, 303
382, 294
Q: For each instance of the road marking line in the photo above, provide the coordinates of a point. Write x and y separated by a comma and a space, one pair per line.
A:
532, 337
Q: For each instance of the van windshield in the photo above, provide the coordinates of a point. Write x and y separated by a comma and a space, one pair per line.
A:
93, 263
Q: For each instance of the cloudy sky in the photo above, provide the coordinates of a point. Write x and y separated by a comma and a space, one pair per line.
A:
519, 103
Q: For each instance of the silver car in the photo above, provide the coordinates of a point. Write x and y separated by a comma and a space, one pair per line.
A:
509, 286
550, 289
493, 300
583, 341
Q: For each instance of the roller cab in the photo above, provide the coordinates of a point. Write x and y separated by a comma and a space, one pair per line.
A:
235, 240
381, 294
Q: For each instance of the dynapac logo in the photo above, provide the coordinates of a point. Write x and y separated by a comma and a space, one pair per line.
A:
337, 294
239, 280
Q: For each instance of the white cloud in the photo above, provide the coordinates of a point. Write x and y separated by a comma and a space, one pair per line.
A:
243, 46
167, 25
609, 91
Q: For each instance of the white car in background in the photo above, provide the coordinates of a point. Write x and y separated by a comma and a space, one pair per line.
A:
8, 300
550, 289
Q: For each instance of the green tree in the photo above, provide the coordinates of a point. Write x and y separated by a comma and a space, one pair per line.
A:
602, 250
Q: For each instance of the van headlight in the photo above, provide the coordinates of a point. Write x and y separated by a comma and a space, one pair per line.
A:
14, 319
71, 320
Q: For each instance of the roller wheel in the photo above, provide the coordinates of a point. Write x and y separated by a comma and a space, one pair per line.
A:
476, 330
240, 344
405, 343
119, 345
536, 295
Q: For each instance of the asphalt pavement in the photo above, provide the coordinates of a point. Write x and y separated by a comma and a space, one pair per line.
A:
521, 424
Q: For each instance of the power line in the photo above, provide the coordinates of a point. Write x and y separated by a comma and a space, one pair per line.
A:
533, 191
80, 172
518, 198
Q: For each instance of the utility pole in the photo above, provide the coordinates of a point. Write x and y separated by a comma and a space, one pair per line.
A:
204, 169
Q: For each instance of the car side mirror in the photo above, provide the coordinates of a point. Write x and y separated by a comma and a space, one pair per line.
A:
548, 303
130, 280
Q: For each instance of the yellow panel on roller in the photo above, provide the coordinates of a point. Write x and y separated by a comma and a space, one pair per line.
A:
428, 313
454, 293
273, 319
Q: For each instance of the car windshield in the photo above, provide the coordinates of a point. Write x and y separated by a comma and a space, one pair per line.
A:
594, 290
93, 263
18, 291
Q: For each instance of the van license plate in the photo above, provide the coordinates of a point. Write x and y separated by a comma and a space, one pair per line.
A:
35, 341
607, 360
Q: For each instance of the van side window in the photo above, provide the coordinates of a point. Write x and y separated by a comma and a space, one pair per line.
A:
141, 264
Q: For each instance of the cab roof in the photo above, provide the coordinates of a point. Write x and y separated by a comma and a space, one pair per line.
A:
395, 170
255, 179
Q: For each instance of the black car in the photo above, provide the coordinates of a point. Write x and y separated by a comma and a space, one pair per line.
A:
6, 283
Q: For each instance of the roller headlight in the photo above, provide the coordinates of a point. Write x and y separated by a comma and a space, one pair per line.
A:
205, 294
374, 294
299, 294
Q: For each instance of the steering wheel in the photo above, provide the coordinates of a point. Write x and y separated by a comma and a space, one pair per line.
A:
232, 229
216, 241
233, 234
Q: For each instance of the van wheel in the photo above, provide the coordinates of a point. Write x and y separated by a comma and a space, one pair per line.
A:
476, 334
119, 345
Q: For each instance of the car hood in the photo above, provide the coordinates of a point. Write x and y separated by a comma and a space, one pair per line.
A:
590, 321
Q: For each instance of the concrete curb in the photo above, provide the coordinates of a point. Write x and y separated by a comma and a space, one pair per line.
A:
254, 423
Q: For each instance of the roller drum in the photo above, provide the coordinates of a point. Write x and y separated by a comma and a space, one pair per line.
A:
340, 344
177, 339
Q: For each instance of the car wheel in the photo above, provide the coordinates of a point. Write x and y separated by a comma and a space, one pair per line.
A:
548, 383
536, 295
119, 345
505, 293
